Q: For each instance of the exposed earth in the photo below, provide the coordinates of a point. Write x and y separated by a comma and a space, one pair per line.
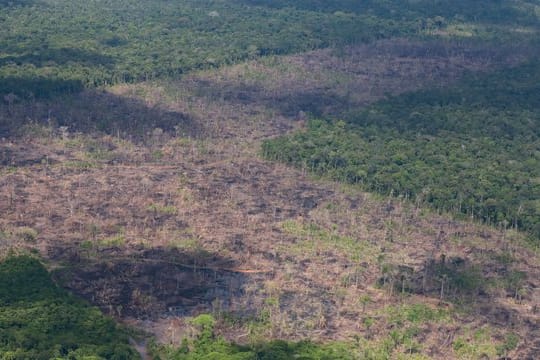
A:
167, 211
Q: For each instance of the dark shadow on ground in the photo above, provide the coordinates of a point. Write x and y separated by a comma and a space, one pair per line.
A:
36, 88
150, 283
288, 102
380, 71
47, 57
93, 111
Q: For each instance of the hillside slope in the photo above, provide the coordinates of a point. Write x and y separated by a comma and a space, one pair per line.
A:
145, 158
179, 216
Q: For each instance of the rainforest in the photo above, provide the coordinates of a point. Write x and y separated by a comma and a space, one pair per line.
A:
269, 179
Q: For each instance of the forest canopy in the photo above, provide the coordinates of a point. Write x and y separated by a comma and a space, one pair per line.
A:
472, 148
66, 43
39, 320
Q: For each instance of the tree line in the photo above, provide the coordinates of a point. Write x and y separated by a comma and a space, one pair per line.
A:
106, 42
471, 149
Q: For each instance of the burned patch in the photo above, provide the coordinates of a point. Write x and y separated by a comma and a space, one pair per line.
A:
147, 284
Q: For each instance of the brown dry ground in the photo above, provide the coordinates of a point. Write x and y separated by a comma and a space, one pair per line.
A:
172, 213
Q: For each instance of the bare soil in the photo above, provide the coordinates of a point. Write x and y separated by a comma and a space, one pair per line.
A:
177, 215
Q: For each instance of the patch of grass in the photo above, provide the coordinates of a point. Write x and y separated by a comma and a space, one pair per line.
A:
185, 244
397, 345
74, 143
100, 154
86, 245
6, 170
80, 164
510, 342
27, 234
483, 343
113, 241
415, 314
163, 209
207, 345
314, 239
475, 345
157, 155
36, 131
405, 323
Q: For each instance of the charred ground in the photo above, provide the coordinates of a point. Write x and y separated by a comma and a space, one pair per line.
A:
177, 215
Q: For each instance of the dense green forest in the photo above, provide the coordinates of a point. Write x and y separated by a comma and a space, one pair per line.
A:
39, 320
493, 12
101, 42
49, 47
473, 148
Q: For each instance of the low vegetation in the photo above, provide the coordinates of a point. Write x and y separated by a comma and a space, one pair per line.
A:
205, 344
